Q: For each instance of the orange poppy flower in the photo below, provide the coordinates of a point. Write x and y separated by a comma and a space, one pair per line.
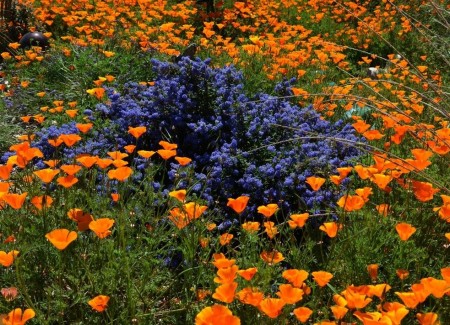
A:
99, 303
423, 191
67, 181
402, 274
84, 128
130, 148
338, 311
268, 210
225, 292
15, 201
271, 229
216, 314
383, 209
405, 230
378, 290
295, 277
351, 202
248, 274
395, 311
428, 318
225, 239
87, 161
101, 227
290, 294
183, 161
356, 299
7, 259
272, 257
179, 218
81, 218
121, 173
61, 238
137, 131
119, 163
330, 228
145, 153
166, 154
69, 139
381, 180
364, 192
194, 210
5, 172
115, 197
239, 204
251, 226
298, 220
71, 112
322, 278
220, 261
250, 296
52, 163
315, 182
409, 299
46, 175
167, 145
104, 162
360, 126
96, 92
302, 314
55, 142
117, 155
438, 288
41, 201
272, 307
180, 195
226, 274
71, 169
17, 317
373, 135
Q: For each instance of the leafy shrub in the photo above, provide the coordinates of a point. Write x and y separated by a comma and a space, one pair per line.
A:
264, 146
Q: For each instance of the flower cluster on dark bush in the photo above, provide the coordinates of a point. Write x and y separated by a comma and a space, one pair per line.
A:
259, 145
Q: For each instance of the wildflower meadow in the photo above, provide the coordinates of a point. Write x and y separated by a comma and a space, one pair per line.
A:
225, 162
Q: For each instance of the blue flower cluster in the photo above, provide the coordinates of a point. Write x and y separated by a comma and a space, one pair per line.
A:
262, 145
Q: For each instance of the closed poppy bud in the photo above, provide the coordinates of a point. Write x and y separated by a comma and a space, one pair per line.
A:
402, 274
99, 303
373, 271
